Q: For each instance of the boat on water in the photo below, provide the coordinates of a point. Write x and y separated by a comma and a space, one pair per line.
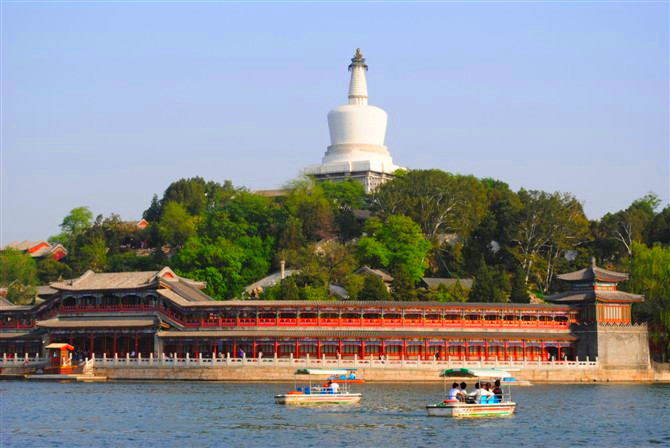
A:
481, 405
330, 393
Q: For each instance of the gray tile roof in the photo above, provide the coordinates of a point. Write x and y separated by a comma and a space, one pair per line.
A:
591, 296
97, 323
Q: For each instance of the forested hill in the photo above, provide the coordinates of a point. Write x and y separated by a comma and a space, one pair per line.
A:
424, 223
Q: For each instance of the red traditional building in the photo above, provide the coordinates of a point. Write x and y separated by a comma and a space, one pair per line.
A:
160, 312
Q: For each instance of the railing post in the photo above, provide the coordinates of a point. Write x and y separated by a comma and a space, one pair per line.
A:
162, 358
104, 359
355, 359
227, 358
116, 359
139, 359
402, 360
127, 359
596, 361
4, 358
290, 359
199, 359
323, 360
307, 360
275, 362
151, 359
16, 360
187, 361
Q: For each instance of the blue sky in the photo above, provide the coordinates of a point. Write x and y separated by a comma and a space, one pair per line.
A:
105, 104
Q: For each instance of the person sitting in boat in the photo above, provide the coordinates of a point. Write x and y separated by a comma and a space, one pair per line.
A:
479, 392
464, 392
334, 386
497, 391
454, 393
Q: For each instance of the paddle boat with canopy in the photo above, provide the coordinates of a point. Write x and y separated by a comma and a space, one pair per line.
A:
481, 405
329, 393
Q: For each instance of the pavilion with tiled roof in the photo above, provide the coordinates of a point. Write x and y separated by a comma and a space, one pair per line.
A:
596, 289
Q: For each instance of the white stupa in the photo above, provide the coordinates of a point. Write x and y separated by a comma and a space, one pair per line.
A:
357, 132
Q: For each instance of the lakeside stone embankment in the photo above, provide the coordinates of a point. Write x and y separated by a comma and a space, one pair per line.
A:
371, 374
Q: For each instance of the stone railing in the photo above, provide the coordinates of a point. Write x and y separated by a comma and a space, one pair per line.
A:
170, 361
15, 360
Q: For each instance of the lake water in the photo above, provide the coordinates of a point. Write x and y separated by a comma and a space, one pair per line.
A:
186, 414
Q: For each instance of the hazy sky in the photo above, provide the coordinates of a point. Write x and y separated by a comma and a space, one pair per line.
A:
105, 104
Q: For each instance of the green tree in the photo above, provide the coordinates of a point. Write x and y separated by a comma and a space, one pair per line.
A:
226, 266
395, 244
94, 255
490, 285
519, 293
306, 201
21, 294
439, 202
404, 286
374, 289
354, 285
176, 225
50, 270
74, 224
650, 276
630, 225
549, 225
153, 213
288, 289
17, 267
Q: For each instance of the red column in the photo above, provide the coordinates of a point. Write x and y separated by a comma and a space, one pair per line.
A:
340, 347
91, 342
446, 349
404, 348
114, 342
318, 348
465, 348
362, 349
276, 347
383, 353
486, 350
558, 351
425, 348
197, 348
254, 345
297, 348
543, 353
234, 348
505, 351
137, 344
524, 350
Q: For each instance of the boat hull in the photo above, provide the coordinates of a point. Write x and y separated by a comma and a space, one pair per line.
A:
463, 410
315, 399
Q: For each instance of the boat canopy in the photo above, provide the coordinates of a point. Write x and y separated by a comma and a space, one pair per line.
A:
322, 371
479, 373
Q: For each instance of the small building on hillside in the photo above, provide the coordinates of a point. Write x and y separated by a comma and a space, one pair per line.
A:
381, 273
39, 249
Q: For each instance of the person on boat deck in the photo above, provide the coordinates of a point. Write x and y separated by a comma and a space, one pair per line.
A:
454, 392
334, 386
464, 392
497, 391
479, 391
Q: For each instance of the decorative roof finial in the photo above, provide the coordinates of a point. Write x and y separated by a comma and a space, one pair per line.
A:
358, 60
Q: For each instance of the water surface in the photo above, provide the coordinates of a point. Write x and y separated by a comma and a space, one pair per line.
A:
182, 414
